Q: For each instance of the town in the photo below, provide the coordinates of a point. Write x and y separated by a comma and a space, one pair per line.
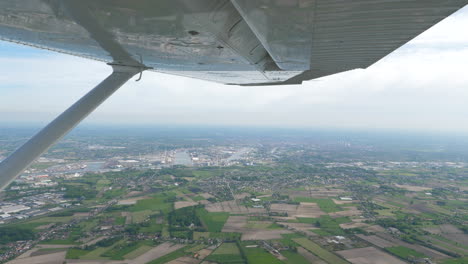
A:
291, 197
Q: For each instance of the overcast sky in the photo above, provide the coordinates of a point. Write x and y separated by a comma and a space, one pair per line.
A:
421, 86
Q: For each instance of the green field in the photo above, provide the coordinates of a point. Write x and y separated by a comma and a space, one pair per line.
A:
456, 261
260, 256
88, 225
294, 258
140, 216
326, 205
195, 248
169, 257
75, 253
207, 173
320, 252
51, 249
200, 235
227, 249
328, 225
119, 220
198, 198
157, 203
51, 219
152, 227
119, 251
213, 222
137, 252
226, 259
449, 246
404, 252
102, 183
227, 253
96, 254
220, 235
258, 225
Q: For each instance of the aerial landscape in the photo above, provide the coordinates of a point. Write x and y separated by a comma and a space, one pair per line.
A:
233, 132
220, 195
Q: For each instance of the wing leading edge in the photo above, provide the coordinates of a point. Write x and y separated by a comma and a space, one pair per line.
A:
247, 42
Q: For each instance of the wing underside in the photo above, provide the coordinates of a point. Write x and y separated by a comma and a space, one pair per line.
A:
247, 42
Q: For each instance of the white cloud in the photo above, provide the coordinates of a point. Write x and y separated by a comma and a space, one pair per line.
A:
420, 86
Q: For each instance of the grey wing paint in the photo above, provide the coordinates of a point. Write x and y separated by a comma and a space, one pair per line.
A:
235, 42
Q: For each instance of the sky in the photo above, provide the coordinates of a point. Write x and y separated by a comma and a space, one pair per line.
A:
422, 86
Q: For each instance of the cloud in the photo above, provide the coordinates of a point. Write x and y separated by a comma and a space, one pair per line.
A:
422, 86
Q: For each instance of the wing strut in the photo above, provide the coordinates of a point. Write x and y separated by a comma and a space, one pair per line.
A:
19, 160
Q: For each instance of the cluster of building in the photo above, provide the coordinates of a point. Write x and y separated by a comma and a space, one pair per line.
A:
32, 206
33, 181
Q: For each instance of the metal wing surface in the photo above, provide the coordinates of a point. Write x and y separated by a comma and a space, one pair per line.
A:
247, 42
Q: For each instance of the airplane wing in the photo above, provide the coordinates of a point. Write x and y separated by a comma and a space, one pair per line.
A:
248, 42
244, 42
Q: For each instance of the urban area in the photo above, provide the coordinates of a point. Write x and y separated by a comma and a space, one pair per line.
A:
219, 195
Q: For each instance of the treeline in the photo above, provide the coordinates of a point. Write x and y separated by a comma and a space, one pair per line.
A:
183, 221
12, 234
184, 217
79, 191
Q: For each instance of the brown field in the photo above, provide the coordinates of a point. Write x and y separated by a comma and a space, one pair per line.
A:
235, 223
44, 226
350, 211
302, 210
302, 227
421, 207
433, 230
290, 209
293, 194
128, 217
182, 204
377, 241
341, 202
258, 234
325, 192
426, 251
413, 188
368, 255
241, 196
185, 260
204, 253
309, 256
131, 201
353, 225
446, 246
450, 229
133, 193
80, 214
233, 208
53, 246
238, 224
53, 258
298, 226
375, 229
84, 261
94, 241
40, 253
451, 232
157, 252
308, 210
206, 195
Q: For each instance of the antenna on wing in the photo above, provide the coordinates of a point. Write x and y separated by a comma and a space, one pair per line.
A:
142, 69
